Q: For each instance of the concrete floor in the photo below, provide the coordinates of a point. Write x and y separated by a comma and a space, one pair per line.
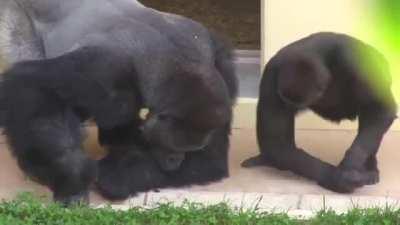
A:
326, 144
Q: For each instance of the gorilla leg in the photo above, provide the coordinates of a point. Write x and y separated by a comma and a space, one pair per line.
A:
204, 166
48, 147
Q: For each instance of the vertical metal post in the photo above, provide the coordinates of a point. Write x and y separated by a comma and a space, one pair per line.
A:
263, 33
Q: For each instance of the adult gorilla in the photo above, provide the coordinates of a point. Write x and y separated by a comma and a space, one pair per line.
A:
107, 59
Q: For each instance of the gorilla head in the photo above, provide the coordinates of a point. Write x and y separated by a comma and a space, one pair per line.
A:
302, 80
189, 127
172, 137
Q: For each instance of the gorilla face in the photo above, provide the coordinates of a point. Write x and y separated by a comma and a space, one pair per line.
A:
171, 133
186, 127
171, 139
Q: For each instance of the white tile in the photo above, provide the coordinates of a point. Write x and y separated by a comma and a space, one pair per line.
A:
137, 201
343, 203
177, 198
271, 202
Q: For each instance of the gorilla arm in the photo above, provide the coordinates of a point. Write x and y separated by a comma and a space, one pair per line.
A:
375, 118
378, 107
373, 124
85, 79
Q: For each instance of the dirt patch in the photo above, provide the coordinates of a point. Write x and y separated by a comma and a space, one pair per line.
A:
239, 20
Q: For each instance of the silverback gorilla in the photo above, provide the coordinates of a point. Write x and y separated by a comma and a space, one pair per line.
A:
323, 73
106, 60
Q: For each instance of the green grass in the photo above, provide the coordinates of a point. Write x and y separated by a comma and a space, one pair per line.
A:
27, 210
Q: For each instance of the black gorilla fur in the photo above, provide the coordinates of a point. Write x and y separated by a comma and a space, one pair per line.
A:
106, 60
324, 73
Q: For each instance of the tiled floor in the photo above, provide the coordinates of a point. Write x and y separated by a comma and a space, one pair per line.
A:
326, 144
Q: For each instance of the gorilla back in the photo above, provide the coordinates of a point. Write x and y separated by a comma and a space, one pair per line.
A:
107, 59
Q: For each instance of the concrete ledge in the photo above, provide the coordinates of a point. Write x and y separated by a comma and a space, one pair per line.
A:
342, 203
296, 205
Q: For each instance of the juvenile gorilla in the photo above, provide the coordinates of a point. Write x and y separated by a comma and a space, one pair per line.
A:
106, 60
325, 73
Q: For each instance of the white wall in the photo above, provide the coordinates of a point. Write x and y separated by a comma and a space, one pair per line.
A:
285, 21
288, 20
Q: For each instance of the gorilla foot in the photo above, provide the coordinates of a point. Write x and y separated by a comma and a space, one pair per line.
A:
81, 198
253, 162
261, 160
